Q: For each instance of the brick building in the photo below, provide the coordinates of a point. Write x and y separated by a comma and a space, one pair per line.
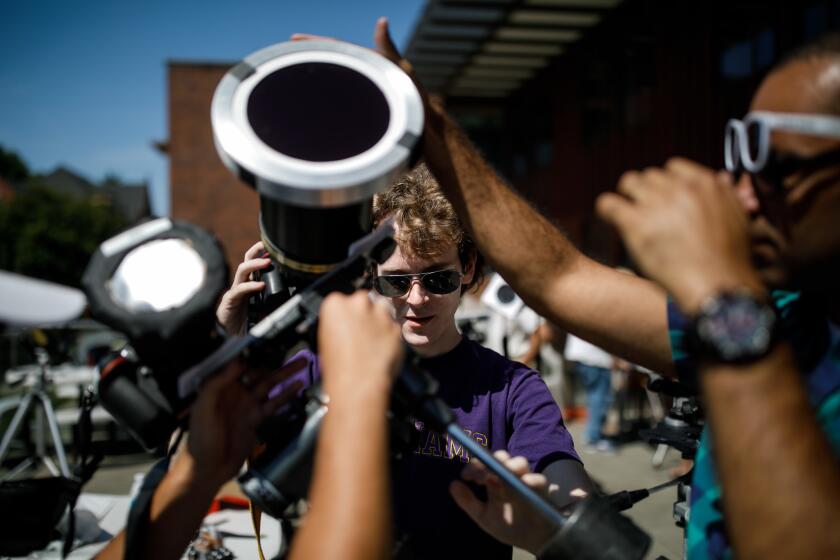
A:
203, 191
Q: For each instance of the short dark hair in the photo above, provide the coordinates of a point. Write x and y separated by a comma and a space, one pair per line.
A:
823, 47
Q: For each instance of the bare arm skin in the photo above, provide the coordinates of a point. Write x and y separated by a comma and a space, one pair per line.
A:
781, 481
624, 315
540, 336
350, 514
350, 508
360, 352
223, 424
178, 506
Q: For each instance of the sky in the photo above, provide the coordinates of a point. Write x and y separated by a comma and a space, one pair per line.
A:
83, 84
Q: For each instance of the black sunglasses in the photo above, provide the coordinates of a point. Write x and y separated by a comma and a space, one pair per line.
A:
438, 282
770, 179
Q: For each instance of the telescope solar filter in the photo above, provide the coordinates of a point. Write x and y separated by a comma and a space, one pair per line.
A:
316, 123
329, 113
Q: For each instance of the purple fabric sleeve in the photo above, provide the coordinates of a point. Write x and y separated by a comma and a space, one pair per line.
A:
539, 433
308, 375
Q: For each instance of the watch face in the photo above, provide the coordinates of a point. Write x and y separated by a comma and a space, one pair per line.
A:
736, 327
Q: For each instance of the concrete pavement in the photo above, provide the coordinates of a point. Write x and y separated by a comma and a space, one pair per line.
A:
630, 469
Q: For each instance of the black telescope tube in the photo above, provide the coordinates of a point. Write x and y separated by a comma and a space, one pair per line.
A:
311, 240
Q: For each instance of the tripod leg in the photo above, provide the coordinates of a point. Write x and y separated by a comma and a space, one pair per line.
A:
15, 425
52, 423
659, 456
655, 405
45, 459
38, 420
25, 464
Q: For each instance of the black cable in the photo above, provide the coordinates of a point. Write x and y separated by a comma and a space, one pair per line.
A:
626, 499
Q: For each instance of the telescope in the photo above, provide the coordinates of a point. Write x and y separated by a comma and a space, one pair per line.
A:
317, 128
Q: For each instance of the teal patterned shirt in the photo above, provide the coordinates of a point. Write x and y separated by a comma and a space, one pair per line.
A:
816, 344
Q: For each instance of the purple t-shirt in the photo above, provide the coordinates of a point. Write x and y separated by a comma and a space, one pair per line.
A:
502, 405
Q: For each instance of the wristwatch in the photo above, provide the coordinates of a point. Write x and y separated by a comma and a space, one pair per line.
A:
733, 327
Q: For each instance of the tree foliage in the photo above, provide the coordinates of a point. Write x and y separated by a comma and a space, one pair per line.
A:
46, 234
12, 168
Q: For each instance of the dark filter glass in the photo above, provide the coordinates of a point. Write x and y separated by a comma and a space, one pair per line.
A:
318, 236
317, 111
439, 282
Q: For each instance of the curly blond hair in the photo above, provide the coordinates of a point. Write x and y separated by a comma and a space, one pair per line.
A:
428, 222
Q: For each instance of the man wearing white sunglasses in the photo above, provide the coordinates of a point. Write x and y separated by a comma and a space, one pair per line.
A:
767, 364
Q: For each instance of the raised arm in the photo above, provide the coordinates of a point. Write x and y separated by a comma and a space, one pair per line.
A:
622, 314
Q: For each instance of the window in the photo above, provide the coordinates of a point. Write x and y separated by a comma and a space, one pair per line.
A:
816, 20
765, 48
737, 60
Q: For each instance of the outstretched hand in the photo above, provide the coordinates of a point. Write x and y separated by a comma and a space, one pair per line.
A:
505, 515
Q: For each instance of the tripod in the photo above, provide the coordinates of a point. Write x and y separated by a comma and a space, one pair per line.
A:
680, 429
37, 396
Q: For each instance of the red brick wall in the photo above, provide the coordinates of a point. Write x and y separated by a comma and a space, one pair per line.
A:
203, 191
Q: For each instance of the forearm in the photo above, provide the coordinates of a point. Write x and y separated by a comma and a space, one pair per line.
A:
178, 505
350, 500
115, 549
622, 314
508, 232
781, 482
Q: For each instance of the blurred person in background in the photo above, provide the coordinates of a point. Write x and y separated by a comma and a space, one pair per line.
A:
544, 353
593, 368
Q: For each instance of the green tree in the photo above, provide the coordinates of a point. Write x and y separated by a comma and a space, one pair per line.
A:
12, 168
49, 235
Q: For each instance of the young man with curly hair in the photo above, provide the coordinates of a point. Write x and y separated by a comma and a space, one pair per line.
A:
502, 404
